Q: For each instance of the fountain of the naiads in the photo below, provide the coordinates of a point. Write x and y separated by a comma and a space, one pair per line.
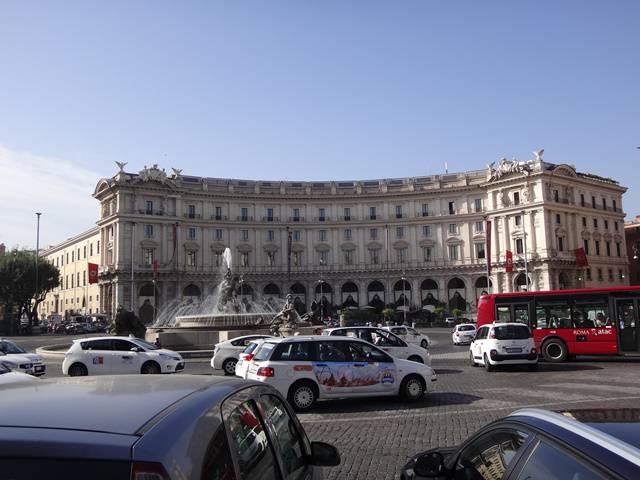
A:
199, 324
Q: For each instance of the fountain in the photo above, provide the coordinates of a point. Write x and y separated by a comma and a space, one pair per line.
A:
190, 323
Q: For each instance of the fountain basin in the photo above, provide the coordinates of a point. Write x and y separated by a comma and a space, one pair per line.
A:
223, 321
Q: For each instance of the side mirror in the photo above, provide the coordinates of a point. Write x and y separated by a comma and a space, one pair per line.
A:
429, 465
136, 349
324, 455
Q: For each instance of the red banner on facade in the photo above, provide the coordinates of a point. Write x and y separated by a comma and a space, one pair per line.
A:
581, 257
155, 269
509, 266
487, 229
93, 273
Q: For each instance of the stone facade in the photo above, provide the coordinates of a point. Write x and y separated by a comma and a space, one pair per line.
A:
75, 295
355, 241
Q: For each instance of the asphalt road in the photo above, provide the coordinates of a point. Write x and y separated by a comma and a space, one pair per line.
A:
376, 436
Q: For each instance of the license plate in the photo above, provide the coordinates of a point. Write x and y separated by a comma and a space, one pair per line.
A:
514, 350
39, 368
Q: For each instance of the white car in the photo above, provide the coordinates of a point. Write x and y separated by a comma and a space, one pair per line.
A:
410, 335
245, 357
385, 340
16, 358
463, 333
225, 354
9, 377
118, 355
503, 344
306, 369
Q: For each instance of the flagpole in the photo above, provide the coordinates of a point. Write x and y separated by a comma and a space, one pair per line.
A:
487, 225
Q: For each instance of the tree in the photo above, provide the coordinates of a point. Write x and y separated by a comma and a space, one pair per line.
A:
18, 292
456, 312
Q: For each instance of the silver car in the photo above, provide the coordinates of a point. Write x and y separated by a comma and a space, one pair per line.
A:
154, 427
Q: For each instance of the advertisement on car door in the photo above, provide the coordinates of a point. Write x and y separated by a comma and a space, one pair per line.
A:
345, 374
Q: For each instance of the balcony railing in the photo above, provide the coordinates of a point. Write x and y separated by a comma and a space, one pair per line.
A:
270, 219
243, 218
219, 217
296, 219
192, 215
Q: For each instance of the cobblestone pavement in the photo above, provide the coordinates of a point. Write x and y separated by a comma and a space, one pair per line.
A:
376, 436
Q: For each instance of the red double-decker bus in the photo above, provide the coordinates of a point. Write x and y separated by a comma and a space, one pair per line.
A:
566, 323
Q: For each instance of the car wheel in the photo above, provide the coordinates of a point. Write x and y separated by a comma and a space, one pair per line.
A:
229, 366
150, 368
412, 388
554, 350
78, 370
487, 366
302, 396
532, 367
424, 344
472, 360
415, 358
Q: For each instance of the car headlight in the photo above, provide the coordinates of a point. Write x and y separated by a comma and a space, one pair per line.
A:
26, 366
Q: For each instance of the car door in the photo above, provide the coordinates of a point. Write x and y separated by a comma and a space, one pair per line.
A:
334, 369
476, 345
124, 359
97, 357
374, 371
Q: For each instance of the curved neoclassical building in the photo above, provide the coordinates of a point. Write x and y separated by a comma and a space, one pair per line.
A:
367, 242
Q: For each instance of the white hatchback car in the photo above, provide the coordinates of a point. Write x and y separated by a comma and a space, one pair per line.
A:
245, 357
306, 369
118, 355
16, 358
503, 344
463, 333
225, 354
385, 340
410, 335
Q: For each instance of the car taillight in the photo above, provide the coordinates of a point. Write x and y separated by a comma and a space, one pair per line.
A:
248, 357
148, 471
533, 350
265, 372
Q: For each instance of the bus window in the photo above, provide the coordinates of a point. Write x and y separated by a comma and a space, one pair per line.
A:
541, 318
593, 315
521, 314
560, 317
504, 316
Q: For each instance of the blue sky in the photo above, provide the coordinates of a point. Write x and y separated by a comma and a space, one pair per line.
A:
306, 90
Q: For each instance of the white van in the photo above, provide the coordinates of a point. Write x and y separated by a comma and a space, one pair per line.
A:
503, 344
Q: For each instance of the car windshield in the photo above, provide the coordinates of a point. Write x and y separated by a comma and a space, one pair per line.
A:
251, 347
8, 347
146, 345
466, 328
511, 332
264, 352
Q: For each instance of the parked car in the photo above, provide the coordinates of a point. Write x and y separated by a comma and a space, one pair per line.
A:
8, 376
306, 369
538, 444
503, 344
16, 358
384, 339
157, 428
118, 355
225, 354
245, 357
463, 333
410, 335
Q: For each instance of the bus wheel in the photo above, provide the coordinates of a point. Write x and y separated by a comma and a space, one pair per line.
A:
554, 351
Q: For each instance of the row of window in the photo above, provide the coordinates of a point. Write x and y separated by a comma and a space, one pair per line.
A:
269, 212
401, 255
63, 259
600, 275
322, 235
75, 280
583, 203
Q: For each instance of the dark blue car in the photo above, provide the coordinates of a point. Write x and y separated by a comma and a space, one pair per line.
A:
534, 444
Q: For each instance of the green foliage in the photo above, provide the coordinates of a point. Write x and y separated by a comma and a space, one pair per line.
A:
18, 282
439, 311
388, 313
126, 323
456, 312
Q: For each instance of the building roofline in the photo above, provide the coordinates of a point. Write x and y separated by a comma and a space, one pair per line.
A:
69, 241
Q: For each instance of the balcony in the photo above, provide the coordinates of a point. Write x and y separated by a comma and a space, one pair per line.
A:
296, 219
270, 219
423, 214
400, 215
373, 217
322, 218
192, 215
244, 218
219, 217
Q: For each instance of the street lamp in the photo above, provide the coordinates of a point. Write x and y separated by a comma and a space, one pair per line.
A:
37, 250
320, 282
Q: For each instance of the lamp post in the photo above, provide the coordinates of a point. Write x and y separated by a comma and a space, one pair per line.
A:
526, 263
37, 251
320, 282
404, 300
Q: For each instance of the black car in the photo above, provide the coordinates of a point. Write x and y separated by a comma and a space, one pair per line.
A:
533, 444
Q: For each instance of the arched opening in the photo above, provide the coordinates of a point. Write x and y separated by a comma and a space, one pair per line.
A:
375, 295
271, 289
520, 283
563, 281
148, 300
429, 294
457, 294
299, 293
324, 298
191, 291
402, 294
482, 286
349, 292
